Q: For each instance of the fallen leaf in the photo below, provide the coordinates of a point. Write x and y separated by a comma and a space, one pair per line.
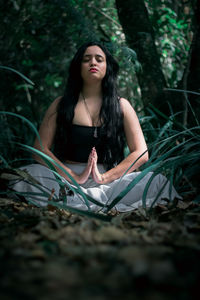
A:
110, 234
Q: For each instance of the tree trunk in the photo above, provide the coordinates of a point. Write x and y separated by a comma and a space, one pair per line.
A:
193, 79
139, 34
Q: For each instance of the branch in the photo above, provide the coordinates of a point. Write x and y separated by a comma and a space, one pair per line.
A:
105, 15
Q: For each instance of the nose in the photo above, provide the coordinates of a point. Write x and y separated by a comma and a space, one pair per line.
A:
93, 61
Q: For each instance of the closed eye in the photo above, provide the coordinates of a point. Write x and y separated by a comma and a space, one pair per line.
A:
88, 57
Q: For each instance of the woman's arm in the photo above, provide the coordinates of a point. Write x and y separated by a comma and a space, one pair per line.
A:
47, 132
136, 144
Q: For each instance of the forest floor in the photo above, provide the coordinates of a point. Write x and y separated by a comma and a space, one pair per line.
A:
48, 253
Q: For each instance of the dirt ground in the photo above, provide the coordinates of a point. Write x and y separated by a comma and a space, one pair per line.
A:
47, 253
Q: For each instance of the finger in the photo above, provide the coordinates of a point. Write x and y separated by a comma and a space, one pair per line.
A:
90, 159
95, 155
92, 152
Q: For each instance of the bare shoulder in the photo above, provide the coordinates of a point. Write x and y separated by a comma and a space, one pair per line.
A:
54, 104
53, 107
51, 113
126, 106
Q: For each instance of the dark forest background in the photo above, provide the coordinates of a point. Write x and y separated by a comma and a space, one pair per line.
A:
55, 253
155, 42
157, 45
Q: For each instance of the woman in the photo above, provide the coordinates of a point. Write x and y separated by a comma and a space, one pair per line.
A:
85, 130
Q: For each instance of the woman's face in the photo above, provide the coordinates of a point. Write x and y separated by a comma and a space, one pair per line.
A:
93, 66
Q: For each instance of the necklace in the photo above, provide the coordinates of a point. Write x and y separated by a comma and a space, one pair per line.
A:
95, 134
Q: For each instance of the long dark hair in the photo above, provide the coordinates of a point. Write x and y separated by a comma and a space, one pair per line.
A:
110, 112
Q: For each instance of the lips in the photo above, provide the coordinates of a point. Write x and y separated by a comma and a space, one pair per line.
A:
93, 70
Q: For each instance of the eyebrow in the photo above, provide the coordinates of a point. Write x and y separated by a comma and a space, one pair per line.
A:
89, 55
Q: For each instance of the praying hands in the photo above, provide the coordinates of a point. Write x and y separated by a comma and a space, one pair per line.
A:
90, 169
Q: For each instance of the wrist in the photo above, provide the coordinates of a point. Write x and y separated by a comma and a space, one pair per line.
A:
104, 178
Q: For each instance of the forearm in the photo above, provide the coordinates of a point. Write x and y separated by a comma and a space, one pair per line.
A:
120, 169
50, 154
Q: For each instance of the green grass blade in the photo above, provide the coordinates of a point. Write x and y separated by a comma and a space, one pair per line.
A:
163, 142
26, 121
87, 213
165, 116
46, 192
49, 161
146, 189
152, 167
131, 185
133, 164
127, 172
18, 73
171, 181
76, 191
158, 195
156, 148
169, 152
182, 91
4, 161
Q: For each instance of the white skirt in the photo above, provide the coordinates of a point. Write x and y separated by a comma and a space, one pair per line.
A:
159, 189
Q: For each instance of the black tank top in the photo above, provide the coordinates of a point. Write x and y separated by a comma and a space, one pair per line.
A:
82, 140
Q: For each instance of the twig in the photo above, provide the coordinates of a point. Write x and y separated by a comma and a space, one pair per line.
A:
105, 15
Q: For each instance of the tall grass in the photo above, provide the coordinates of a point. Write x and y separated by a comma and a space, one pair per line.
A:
175, 152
